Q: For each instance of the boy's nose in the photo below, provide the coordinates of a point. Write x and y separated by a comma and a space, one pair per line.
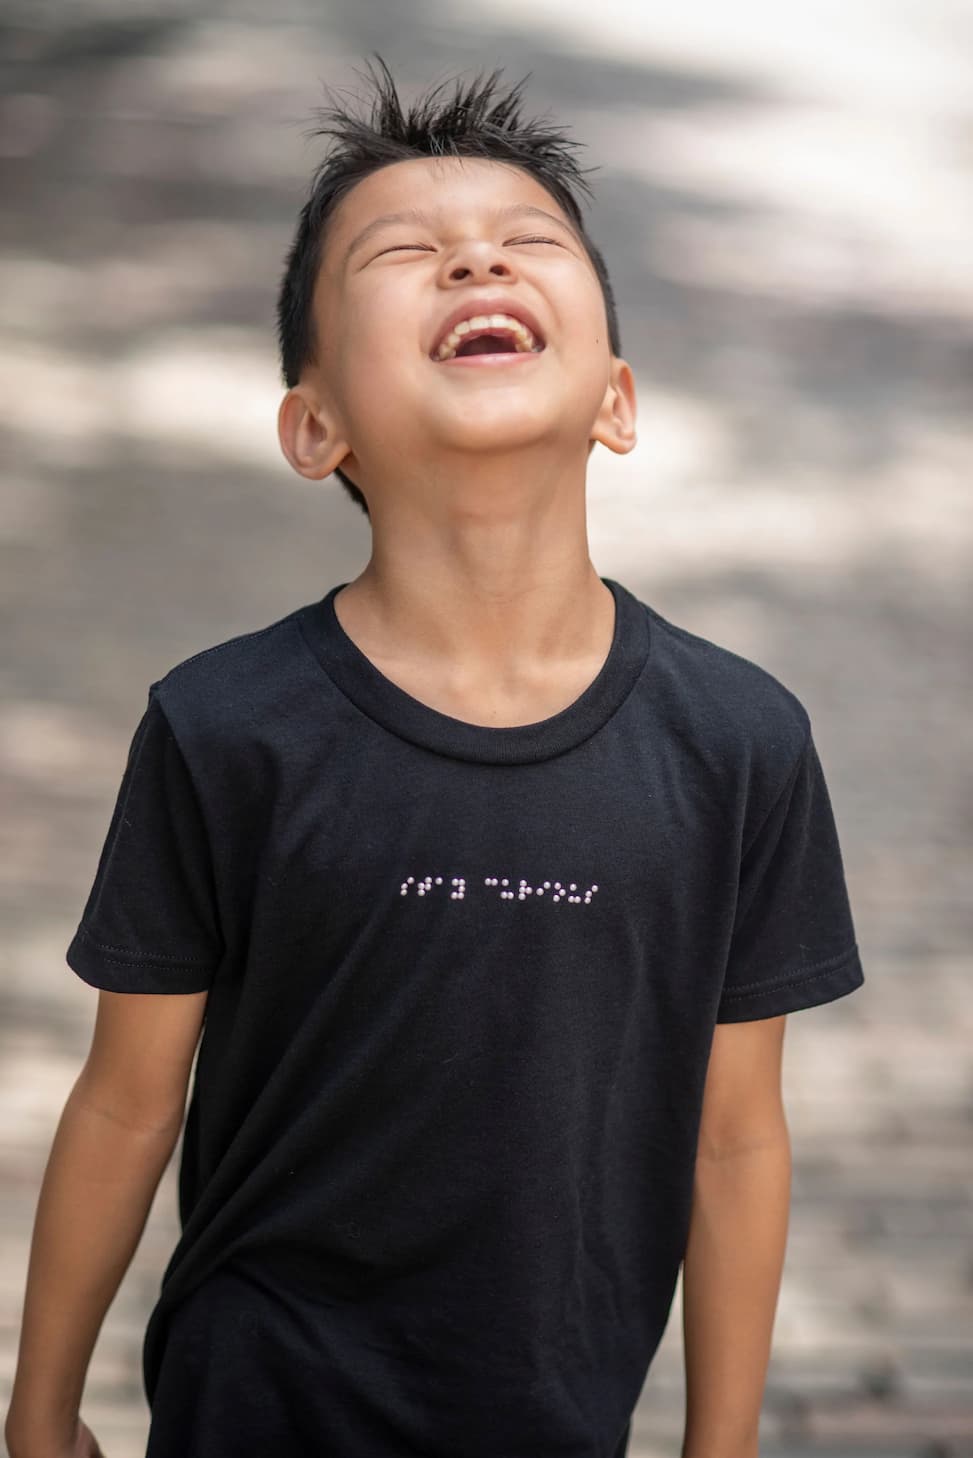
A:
478, 258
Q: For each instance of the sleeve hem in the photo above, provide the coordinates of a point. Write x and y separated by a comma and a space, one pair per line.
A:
134, 974
831, 979
129, 958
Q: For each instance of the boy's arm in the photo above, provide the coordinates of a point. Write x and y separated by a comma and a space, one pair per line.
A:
737, 1240
119, 1127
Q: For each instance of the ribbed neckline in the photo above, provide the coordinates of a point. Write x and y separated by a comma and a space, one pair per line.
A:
410, 719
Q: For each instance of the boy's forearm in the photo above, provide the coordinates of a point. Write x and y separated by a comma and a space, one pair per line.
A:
731, 1282
95, 1197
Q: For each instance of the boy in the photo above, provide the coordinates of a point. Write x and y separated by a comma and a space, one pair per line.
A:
494, 888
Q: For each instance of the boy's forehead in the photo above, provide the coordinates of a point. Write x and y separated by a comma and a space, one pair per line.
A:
438, 187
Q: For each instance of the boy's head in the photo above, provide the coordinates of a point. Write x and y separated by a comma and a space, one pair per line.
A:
457, 207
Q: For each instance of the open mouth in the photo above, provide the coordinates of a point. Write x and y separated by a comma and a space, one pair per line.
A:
498, 335
488, 344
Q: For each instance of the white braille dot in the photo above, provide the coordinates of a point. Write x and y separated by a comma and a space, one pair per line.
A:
573, 886
439, 880
547, 885
410, 879
404, 891
505, 882
422, 890
594, 888
540, 890
522, 896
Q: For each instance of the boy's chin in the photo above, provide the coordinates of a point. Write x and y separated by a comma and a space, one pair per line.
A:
493, 437
489, 414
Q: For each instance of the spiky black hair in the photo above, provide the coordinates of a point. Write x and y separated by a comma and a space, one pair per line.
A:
475, 121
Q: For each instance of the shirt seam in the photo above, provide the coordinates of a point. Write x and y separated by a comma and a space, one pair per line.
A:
816, 970
228, 643
784, 790
200, 809
134, 959
318, 659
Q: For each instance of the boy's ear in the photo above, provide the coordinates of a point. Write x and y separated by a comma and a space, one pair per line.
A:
309, 439
614, 425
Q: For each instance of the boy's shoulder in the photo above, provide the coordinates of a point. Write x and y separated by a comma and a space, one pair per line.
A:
231, 686
721, 699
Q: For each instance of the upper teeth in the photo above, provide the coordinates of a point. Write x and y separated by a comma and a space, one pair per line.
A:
523, 339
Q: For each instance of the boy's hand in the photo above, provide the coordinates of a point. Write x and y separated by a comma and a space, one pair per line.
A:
85, 1444
82, 1444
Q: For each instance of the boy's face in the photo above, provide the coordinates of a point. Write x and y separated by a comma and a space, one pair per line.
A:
386, 291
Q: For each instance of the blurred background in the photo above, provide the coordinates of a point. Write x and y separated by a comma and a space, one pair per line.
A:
783, 202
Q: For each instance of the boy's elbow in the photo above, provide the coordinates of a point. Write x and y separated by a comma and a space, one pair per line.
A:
121, 1110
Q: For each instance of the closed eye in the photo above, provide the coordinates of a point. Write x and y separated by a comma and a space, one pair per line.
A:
398, 247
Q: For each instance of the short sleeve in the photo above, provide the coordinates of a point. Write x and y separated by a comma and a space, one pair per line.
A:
793, 944
150, 922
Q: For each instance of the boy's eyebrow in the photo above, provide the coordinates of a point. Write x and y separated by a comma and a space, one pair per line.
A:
414, 215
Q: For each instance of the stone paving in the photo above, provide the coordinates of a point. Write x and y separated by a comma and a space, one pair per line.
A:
782, 217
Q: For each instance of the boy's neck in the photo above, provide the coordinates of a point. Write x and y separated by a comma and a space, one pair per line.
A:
477, 638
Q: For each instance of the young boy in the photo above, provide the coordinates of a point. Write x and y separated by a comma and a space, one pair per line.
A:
493, 886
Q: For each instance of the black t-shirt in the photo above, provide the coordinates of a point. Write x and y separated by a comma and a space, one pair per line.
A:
463, 983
